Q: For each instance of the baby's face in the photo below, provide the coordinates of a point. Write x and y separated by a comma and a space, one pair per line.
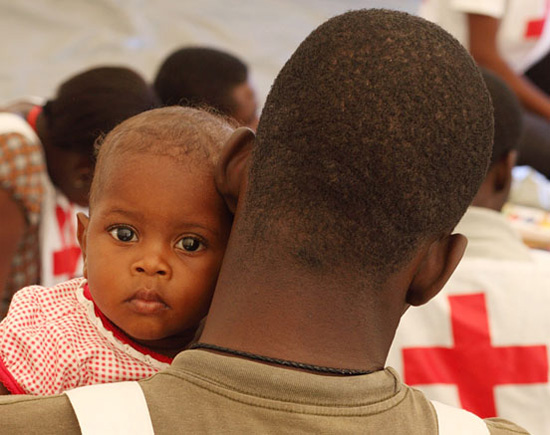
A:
153, 247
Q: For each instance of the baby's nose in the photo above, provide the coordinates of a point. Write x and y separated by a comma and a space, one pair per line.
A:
151, 271
152, 264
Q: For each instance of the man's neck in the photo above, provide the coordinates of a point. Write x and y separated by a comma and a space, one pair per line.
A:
275, 310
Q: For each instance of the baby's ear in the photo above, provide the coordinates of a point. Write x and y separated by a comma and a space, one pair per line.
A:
436, 268
82, 236
231, 173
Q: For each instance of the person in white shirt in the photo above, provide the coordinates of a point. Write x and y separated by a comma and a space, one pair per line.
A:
483, 342
510, 38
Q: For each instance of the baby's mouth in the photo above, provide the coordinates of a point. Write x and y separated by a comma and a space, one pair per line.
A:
147, 302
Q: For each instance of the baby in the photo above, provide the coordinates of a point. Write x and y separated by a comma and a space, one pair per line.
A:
152, 246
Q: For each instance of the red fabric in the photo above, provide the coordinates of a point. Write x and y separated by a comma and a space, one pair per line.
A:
65, 260
535, 27
473, 364
52, 341
8, 381
32, 116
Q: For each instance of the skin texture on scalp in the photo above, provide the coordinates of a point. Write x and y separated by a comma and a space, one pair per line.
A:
394, 128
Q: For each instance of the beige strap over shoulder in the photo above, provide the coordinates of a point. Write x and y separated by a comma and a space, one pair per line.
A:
118, 408
456, 421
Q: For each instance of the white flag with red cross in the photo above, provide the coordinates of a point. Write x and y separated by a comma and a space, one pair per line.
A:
483, 343
61, 257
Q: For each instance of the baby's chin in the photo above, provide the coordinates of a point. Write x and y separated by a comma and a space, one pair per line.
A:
163, 342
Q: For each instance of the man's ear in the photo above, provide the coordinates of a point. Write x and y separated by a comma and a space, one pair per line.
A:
82, 236
436, 268
232, 170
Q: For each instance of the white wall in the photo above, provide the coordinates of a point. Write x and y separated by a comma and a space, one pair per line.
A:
46, 41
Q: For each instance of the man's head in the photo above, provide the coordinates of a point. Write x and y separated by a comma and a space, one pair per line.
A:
199, 76
373, 140
495, 189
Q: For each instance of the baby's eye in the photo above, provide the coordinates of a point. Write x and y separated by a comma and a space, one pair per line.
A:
190, 244
124, 234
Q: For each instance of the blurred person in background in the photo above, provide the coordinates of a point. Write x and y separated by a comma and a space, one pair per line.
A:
203, 76
46, 162
512, 39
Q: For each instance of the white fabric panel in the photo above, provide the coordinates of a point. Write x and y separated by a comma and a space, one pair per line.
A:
119, 408
456, 421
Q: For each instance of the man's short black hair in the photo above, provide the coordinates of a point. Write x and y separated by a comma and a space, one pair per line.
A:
508, 116
375, 137
199, 76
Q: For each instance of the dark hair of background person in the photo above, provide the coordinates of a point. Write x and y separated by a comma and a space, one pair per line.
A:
87, 106
92, 103
197, 76
507, 113
353, 172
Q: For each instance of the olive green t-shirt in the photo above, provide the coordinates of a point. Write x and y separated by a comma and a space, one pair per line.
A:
204, 393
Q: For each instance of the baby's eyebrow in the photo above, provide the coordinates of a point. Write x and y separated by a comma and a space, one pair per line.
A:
194, 225
129, 213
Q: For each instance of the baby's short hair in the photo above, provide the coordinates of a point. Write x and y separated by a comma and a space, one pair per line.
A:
183, 133
375, 136
508, 116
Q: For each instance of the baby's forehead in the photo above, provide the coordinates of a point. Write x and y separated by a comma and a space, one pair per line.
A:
197, 160
187, 136
193, 147
121, 157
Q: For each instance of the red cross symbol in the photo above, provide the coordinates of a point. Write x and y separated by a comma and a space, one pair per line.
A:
65, 259
534, 28
473, 364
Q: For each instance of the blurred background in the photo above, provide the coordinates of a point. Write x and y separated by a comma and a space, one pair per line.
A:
45, 41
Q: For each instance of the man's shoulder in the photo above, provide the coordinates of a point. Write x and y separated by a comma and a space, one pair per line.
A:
32, 414
500, 426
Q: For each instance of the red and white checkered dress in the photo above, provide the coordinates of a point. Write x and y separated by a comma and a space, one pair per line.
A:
55, 339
